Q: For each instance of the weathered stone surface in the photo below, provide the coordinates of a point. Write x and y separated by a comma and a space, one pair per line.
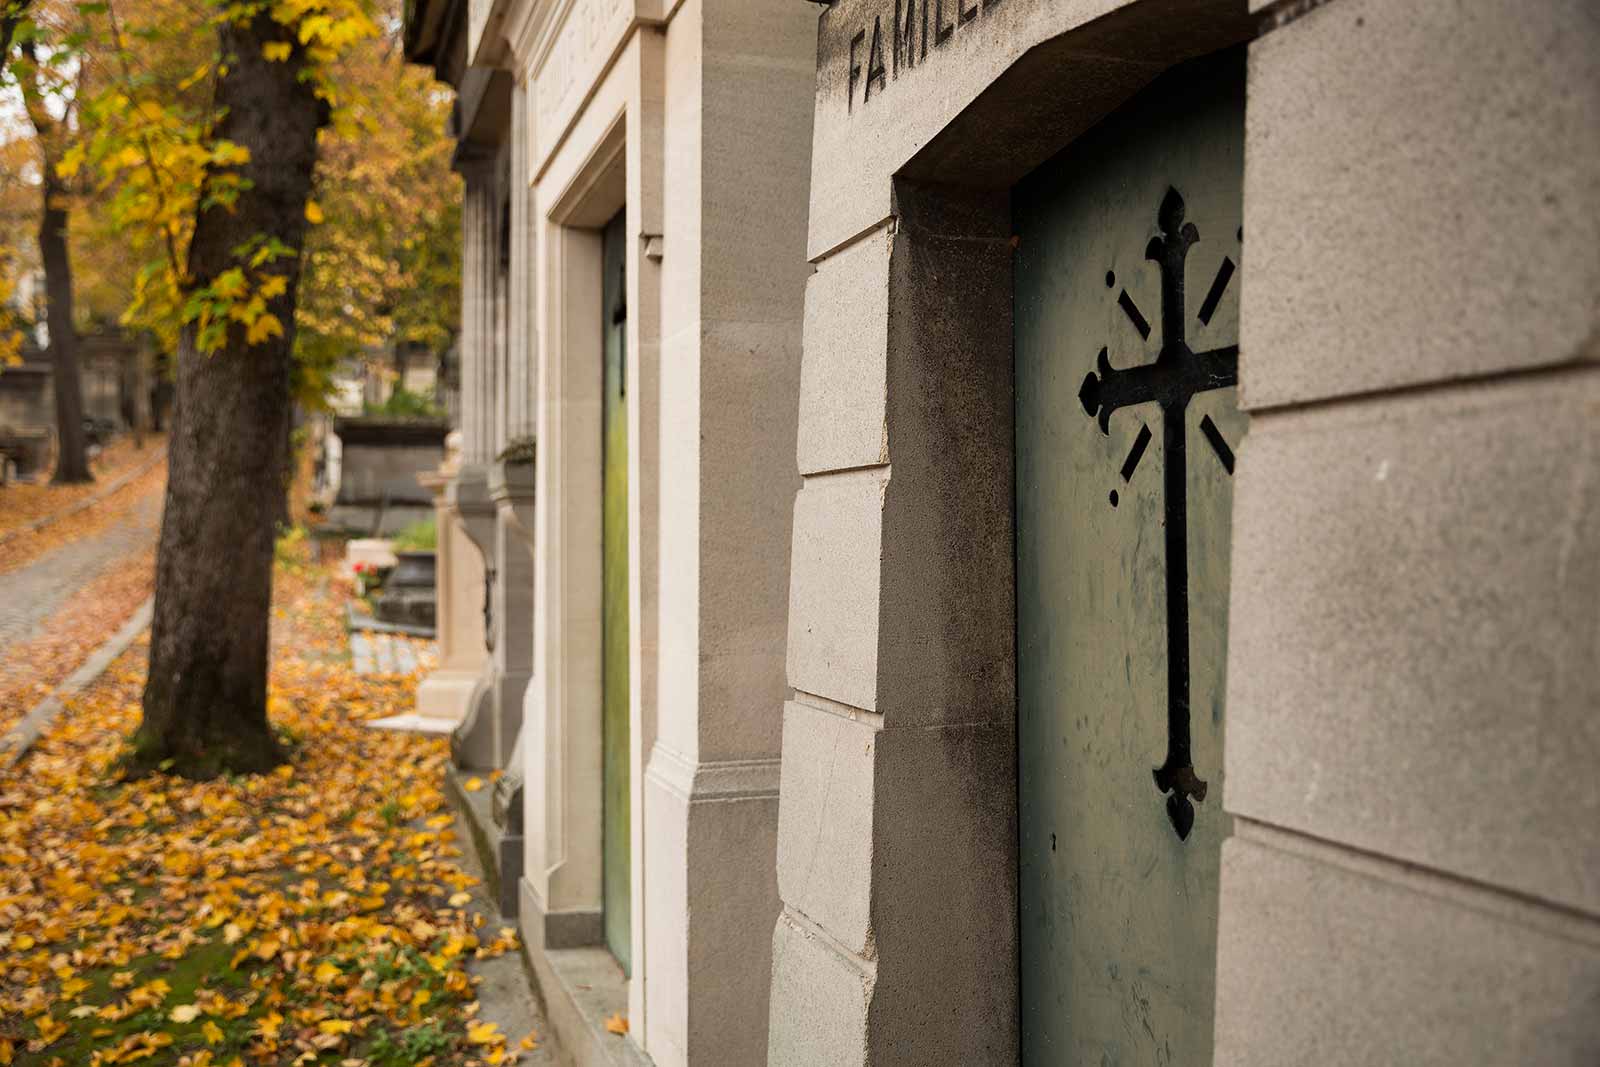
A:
1323, 964
833, 586
1050, 69
944, 912
843, 376
1408, 216
885, 838
947, 650
1415, 618
819, 1001
749, 376
825, 822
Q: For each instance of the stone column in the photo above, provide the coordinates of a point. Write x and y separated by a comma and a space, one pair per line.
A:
733, 280
896, 836
473, 744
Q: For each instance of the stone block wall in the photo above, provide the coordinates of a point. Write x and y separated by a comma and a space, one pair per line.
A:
1415, 875
1415, 600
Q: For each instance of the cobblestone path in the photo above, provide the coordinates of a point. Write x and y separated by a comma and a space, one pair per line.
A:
30, 595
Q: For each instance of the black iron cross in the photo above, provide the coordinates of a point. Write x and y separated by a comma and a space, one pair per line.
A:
1177, 374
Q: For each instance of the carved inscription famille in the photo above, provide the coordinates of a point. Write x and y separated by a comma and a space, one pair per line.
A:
898, 40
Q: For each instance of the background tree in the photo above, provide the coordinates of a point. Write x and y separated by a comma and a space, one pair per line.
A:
385, 267
50, 72
12, 14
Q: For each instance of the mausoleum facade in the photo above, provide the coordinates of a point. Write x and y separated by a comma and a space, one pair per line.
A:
1192, 650
1049, 531
635, 249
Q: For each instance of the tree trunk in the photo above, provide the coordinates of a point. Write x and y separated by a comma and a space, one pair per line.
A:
72, 458
12, 14
205, 700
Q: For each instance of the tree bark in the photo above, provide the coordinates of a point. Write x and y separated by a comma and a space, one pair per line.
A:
12, 13
72, 457
205, 699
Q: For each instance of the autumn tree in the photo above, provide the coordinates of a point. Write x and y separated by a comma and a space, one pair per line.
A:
385, 266
223, 193
50, 72
12, 14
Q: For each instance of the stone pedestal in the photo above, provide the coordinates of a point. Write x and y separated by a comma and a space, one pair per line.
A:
511, 488
444, 694
474, 744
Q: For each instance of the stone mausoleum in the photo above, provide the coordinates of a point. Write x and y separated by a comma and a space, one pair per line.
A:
635, 230
1057, 531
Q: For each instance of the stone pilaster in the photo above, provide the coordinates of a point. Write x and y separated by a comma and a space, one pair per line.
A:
473, 744
445, 693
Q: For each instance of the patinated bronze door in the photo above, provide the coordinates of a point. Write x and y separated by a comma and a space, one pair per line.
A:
616, 863
1126, 362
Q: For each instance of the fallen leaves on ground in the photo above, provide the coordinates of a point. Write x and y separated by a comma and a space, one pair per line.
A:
313, 915
27, 547
25, 502
31, 669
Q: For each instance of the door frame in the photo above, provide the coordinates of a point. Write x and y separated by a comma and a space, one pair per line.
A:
943, 658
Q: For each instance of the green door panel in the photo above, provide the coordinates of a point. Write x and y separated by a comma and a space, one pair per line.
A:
1126, 320
616, 855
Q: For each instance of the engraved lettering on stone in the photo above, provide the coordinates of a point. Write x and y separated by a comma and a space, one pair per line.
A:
870, 66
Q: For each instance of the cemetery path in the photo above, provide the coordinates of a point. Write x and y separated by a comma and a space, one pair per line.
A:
31, 594
66, 596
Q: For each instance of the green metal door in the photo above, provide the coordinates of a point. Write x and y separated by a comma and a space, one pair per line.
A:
1126, 319
615, 845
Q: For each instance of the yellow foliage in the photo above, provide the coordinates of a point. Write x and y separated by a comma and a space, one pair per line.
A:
118, 888
264, 327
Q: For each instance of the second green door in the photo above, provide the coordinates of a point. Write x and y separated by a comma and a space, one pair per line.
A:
615, 844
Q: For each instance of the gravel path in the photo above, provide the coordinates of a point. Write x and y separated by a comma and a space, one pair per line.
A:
31, 594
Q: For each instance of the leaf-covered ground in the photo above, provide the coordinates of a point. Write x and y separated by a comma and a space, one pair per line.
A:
28, 501
318, 914
21, 504
31, 669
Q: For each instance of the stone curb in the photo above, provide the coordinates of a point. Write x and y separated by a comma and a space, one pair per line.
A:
16, 743
87, 502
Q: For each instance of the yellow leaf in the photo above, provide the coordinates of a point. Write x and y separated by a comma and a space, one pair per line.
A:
336, 1026
472, 785
276, 51
49, 1029
229, 283
213, 1032
617, 1023
274, 285
313, 213
185, 1013
484, 1033
326, 972
264, 327
71, 160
